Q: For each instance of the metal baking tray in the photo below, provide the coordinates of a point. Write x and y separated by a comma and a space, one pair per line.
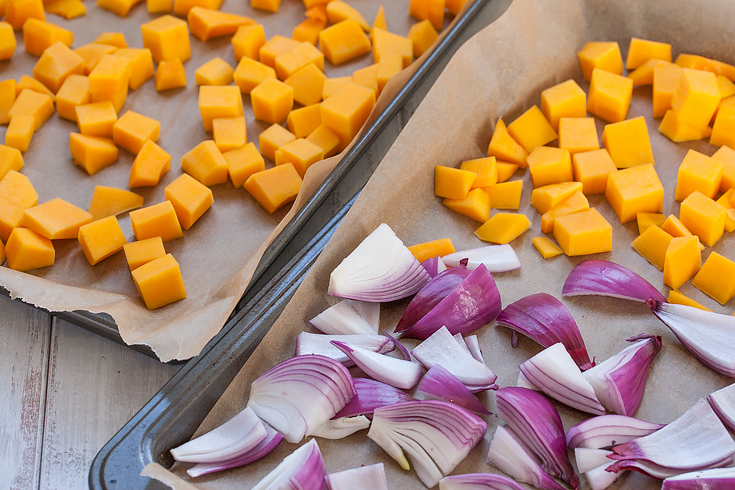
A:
175, 412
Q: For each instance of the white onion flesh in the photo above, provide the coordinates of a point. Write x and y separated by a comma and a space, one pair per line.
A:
341, 427
723, 403
317, 343
370, 477
370, 312
522, 382
474, 346
343, 319
599, 478
303, 469
497, 258
392, 371
608, 431
588, 459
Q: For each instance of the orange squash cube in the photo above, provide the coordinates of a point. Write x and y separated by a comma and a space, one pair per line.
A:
332, 84
343, 42
274, 187
97, 119
159, 282
308, 30
274, 47
109, 80
703, 217
157, 220
247, 41
434, 248
549, 166
566, 99
716, 278
302, 122
452, 183
367, 77
326, 138
337, 11
726, 156
683, 259
610, 96
250, 73
26, 82
627, 143
93, 53
546, 247
189, 198
229, 133
141, 65
56, 64
583, 233
548, 196
92, 153
389, 66
304, 54
132, 130
73, 93
16, 189
167, 37
219, 101
7, 41
151, 163
698, 172
484, 169
652, 245
20, 132
272, 100
678, 131
475, 206
170, 75
431, 10
724, 127
55, 219
111, 201
503, 147
642, 50
205, 163
207, 23
272, 139
674, 227
646, 220
116, 39
422, 35
30, 103
268, 5
141, 252
600, 55
643, 75
573, 204
665, 80
696, 98
119, 7
634, 190
505, 170
242, 163
677, 298
101, 239
505, 195
301, 154
503, 228
346, 110
386, 43
10, 216
18, 11
10, 159
578, 135
26, 250
38, 35
531, 129
214, 72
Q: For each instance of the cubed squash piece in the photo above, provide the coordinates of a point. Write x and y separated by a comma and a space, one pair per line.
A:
159, 282
475, 206
242, 163
548, 196
30, 103
26, 82
170, 75
724, 127
101, 239
716, 278
503, 147
452, 183
627, 143
674, 227
141, 252
703, 217
665, 81
229, 133
332, 84
326, 138
583, 233
610, 96
550, 166
346, 110
601, 55
157, 220
546, 247
56, 64
20, 132
343, 42
634, 190
677, 298
274, 47
726, 156
337, 11
642, 50
422, 35
92, 153
531, 129
189, 198
683, 259
386, 44
367, 77
18, 11
7, 98
678, 131
167, 37
505, 170
10, 159
566, 99
307, 31
132, 130
272, 139
643, 75
93, 53
10, 216
301, 154
26, 250
250, 73
272, 100
111, 201
646, 220
431, 10
698, 172
97, 119
151, 163
390, 65
55, 219
304, 54
39, 35
484, 169
116, 39
74, 92
652, 245
206, 22
573, 204
434, 248
141, 65
696, 98
701, 63
503, 228
109, 80
274, 187
592, 169
219, 101
7, 41
16, 189
214, 72
304, 121
505, 195
205, 163
578, 135
307, 84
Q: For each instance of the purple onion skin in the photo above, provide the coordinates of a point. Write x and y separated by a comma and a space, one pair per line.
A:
369, 395
431, 265
602, 277
431, 295
544, 319
472, 304
642, 363
441, 383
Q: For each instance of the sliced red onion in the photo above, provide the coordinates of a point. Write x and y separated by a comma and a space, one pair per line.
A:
442, 348
460, 340
398, 345
714, 479
510, 455
522, 382
599, 478
303, 469
370, 312
554, 372
496, 258
370, 477
694, 441
589, 459
709, 336
544, 319
317, 343
434, 266
341, 427
436, 435
300, 394
390, 370
440, 384
657, 471
272, 440
605, 278
608, 431
620, 380
478, 481
535, 421
723, 403
474, 346
369, 395
380, 269
342, 319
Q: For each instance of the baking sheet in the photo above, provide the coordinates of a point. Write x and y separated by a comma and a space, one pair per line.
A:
219, 254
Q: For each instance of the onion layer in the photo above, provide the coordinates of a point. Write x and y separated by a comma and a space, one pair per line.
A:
608, 431
496, 258
723, 403
342, 319
317, 343
478, 481
369, 395
440, 384
605, 278
390, 370
303, 469
339, 428
363, 478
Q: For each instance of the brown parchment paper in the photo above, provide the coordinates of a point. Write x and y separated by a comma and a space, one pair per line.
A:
218, 255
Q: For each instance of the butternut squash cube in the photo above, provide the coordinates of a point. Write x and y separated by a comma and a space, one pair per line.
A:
703, 217
643, 75
250, 73
642, 50
484, 169
722, 131
141, 65
549, 166
573, 204
274, 187
389, 66
142, 252
10, 159
583, 233
307, 84
726, 156
26, 250
503, 228
332, 84
189, 198
505, 195
116, 39
716, 278
302, 122
678, 131
304, 54
610, 96
56, 64
724, 200
343, 42
151, 163
207, 23
247, 41
157, 220
677, 298
101, 239
93, 53
219, 101
726, 86
242, 163
214, 72
20, 132
205, 163
55, 219
674, 227
475, 206
452, 183
504, 147
26, 82
16, 189
434, 248
600, 55
274, 47
455, 6
546, 197
92, 153
696, 97
683, 260
274, 138
634, 190
272, 100
301, 154
531, 129
566, 99
706, 64
386, 43
367, 77
307, 31
665, 81
229, 133
109, 80
268, 5
159, 282
337, 11
39, 35
326, 138
7, 98
646, 220
97, 119
7, 41
111, 201
30, 103
167, 37
132, 130
18, 11
170, 75
119, 7
505, 170
422, 35
578, 135
698, 172
546, 247
73, 93
431, 10
346, 110
627, 143
10, 216
652, 245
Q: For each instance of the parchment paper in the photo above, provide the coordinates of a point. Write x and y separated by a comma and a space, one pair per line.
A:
501, 72
218, 255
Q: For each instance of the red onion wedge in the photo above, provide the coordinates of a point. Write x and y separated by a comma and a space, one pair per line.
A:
513, 457
317, 343
620, 380
369, 395
436, 435
272, 440
709, 336
696, 440
390, 370
475, 302
440, 384
723, 403
588, 459
554, 372
605, 278
537, 424
544, 319
714, 479
442, 348
236, 437
608, 431
363, 478
599, 478
342, 427
300, 394
380, 269
343, 319
434, 266
496, 258
303, 469
478, 481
